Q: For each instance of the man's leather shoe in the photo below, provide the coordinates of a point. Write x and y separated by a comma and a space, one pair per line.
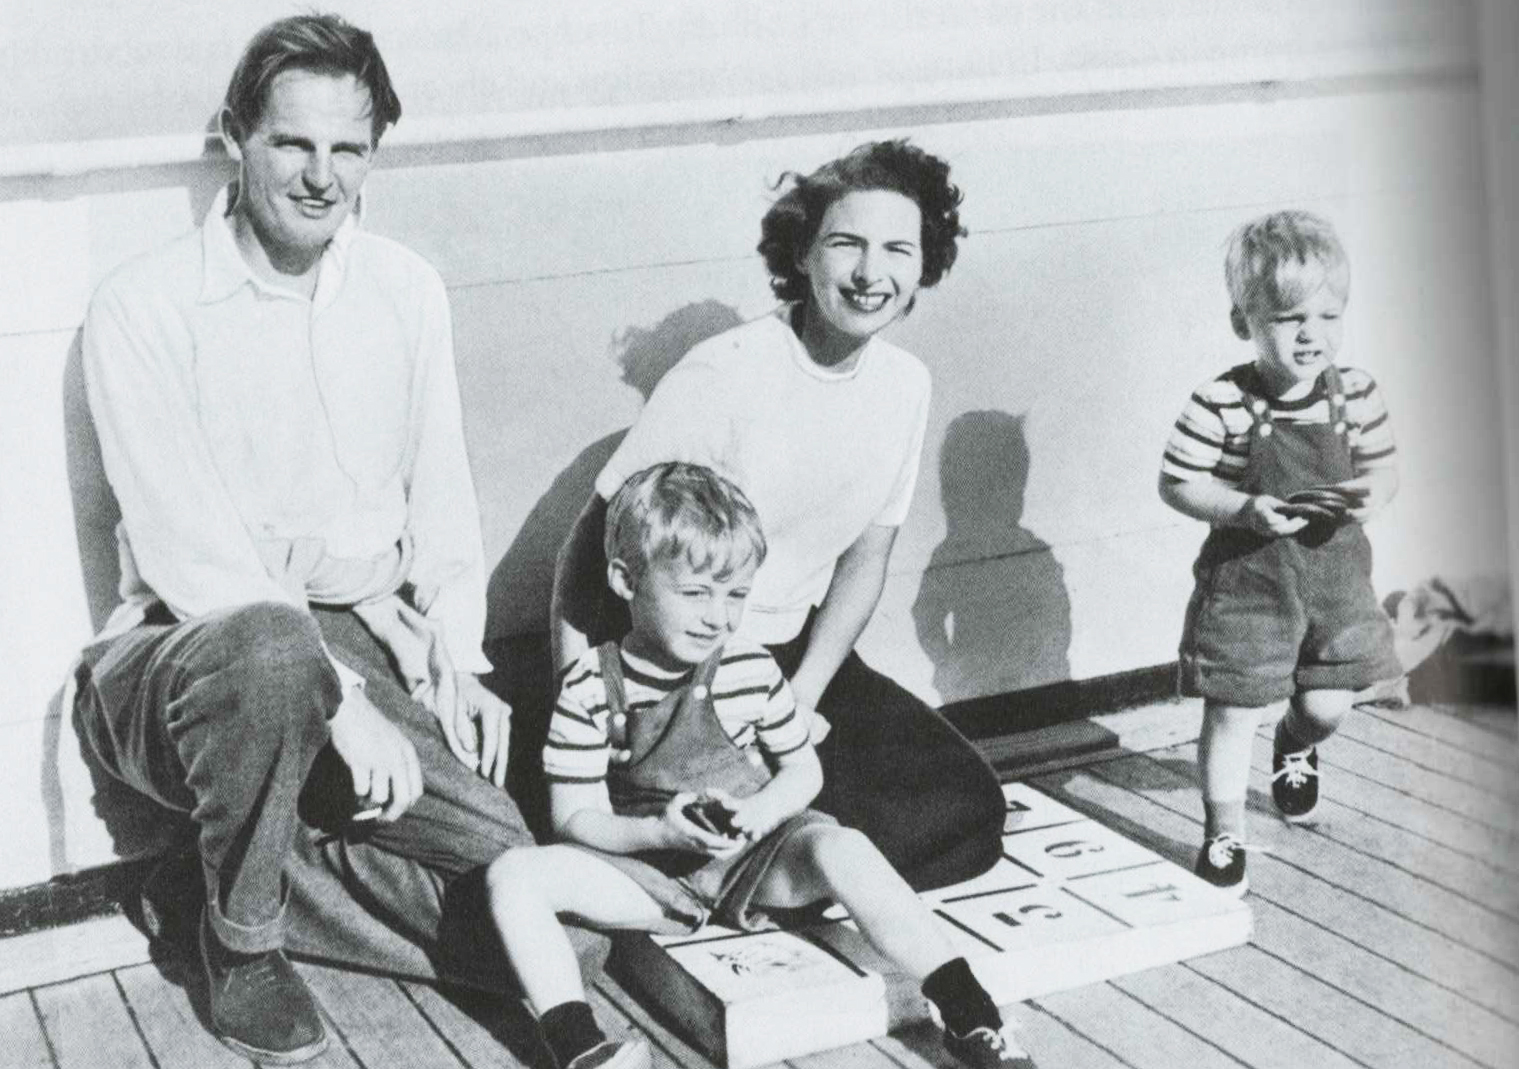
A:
260, 1007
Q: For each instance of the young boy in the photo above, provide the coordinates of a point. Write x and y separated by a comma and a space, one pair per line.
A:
681, 769
1283, 611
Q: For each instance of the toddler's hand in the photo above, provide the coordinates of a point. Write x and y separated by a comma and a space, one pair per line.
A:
681, 833
1376, 493
1262, 514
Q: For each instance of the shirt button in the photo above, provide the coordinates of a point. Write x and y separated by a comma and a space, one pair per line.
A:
699, 691
619, 720
1265, 430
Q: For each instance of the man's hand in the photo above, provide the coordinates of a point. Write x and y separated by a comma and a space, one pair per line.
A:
1261, 514
480, 730
382, 761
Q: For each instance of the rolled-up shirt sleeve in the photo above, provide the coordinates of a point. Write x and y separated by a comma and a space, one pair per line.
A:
187, 540
443, 513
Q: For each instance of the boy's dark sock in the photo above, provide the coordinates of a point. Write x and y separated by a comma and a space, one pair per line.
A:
570, 1030
962, 1001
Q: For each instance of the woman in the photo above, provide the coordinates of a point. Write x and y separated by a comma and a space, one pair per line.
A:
821, 422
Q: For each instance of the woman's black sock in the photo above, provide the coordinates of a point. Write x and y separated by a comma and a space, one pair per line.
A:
962, 1001
570, 1030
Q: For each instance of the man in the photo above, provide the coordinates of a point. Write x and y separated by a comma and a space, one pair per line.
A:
296, 664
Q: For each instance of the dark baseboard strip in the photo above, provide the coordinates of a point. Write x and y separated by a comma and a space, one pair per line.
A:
1058, 703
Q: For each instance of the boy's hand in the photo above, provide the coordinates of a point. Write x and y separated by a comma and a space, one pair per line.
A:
1262, 514
681, 833
755, 816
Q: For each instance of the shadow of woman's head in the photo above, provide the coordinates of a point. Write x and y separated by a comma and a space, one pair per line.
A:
646, 353
983, 470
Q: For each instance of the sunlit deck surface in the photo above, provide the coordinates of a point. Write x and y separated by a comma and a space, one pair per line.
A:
1387, 935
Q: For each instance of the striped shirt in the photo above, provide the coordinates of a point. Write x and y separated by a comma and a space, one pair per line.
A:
1212, 437
750, 695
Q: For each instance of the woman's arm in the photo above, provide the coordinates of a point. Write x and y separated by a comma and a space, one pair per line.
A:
846, 608
580, 580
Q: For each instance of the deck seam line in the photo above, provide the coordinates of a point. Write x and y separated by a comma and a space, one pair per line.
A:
1375, 1009
1280, 859
1442, 773
1506, 766
1185, 1028
52, 1051
1068, 1026
1369, 950
422, 1012
126, 1004
1269, 1012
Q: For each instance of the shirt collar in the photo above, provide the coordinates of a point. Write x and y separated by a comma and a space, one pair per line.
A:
224, 270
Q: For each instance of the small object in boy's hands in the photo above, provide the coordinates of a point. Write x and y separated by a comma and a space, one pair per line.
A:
368, 813
711, 815
1310, 511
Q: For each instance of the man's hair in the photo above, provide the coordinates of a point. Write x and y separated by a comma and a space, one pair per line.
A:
676, 510
319, 44
1276, 261
793, 221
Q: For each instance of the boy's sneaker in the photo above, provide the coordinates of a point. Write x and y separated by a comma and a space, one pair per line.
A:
615, 1054
1295, 783
988, 1048
1222, 863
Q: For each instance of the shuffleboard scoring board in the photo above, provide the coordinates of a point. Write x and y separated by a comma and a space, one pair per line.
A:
1070, 903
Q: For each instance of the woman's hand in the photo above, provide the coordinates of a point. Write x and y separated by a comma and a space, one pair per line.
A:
679, 832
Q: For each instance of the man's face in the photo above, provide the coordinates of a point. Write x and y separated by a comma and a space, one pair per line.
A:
303, 166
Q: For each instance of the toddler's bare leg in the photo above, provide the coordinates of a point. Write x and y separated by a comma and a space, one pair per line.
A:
1223, 764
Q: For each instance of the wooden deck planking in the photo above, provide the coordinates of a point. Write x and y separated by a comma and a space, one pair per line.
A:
1437, 788
1359, 916
1142, 1037
89, 1027
170, 1022
620, 1016
25, 1044
1452, 729
1480, 770
1258, 1037
486, 1031
371, 1019
1471, 878
1384, 993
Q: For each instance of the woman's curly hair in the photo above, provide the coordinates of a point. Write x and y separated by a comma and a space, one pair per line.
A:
791, 224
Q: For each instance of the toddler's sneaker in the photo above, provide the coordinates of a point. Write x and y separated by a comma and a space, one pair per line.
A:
1222, 863
615, 1054
1295, 783
988, 1048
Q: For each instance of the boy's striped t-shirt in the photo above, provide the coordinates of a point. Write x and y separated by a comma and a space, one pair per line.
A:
751, 697
1212, 437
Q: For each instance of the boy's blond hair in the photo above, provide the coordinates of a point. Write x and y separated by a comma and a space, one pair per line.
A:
675, 510
1275, 262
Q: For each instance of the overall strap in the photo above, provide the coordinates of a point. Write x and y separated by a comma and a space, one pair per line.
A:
1339, 408
617, 698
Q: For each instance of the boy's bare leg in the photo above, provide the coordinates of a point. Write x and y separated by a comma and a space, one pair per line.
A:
1223, 764
530, 887
830, 861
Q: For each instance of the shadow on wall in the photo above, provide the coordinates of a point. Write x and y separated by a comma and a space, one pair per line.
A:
992, 612
522, 581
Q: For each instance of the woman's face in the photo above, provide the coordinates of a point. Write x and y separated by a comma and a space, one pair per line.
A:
866, 262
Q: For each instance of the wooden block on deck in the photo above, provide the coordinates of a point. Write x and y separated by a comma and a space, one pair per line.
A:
1071, 903
753, 998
